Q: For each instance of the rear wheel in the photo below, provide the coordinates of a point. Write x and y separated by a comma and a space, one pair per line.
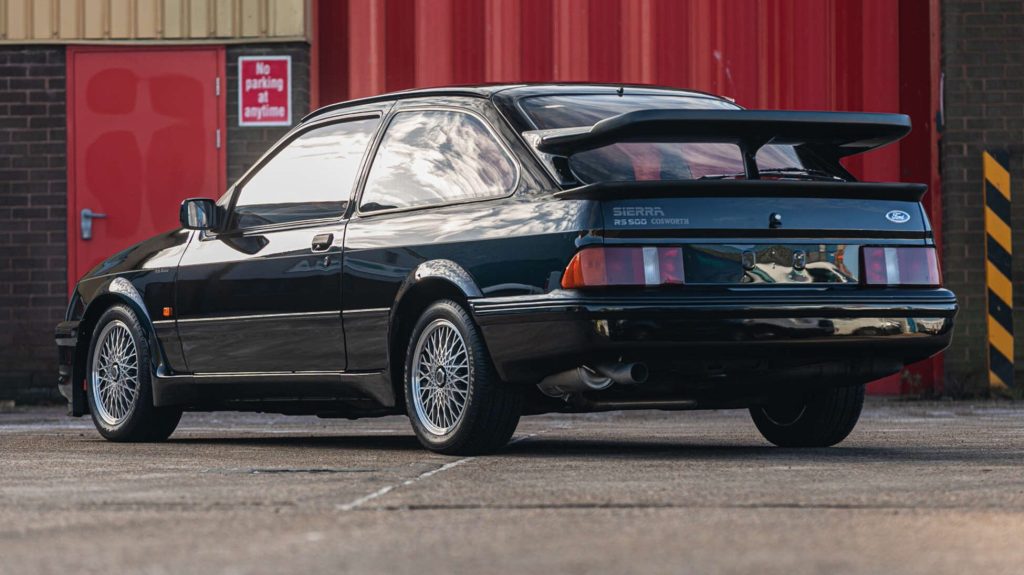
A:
819, 419
453, 396
119, 381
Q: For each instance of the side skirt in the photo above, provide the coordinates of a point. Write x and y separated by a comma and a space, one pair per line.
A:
369, 389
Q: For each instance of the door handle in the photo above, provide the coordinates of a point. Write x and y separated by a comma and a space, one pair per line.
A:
322, 242
86, 220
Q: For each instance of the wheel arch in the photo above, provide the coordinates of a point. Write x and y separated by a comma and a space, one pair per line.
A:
431, 281
117, 291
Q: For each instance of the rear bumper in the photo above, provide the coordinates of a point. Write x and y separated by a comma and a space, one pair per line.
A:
530, 337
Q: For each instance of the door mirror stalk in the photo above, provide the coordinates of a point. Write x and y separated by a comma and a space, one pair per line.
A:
199, 214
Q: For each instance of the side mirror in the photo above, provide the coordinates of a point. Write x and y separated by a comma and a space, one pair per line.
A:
199, 214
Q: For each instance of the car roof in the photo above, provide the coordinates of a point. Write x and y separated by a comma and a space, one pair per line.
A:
511, 92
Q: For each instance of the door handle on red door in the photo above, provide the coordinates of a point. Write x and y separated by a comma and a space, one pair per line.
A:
87, 217
322, 242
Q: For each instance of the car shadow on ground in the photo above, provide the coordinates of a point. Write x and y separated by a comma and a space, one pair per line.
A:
662, 449
622, 449
295, 440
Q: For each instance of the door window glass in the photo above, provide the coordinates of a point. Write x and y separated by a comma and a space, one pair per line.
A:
436, 157
310, 178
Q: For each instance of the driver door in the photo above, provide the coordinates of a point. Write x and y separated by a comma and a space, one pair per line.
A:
263, 295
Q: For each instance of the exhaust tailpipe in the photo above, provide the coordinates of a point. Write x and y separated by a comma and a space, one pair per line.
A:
573, 381
624, 373
584, 378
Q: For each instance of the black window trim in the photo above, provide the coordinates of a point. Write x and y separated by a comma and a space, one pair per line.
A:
272, 153
434, 108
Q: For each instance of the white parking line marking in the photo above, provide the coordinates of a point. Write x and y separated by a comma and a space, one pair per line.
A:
355, 503
387, 489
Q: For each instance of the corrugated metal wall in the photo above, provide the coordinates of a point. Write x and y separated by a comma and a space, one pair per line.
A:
800, 54
57, 21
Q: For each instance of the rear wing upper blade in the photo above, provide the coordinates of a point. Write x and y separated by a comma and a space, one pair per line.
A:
830, 134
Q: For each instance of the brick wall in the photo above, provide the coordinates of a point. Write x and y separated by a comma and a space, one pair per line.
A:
983, 62
247, 144
33, 195
33, 199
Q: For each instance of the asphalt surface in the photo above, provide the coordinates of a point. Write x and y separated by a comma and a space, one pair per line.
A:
917, 488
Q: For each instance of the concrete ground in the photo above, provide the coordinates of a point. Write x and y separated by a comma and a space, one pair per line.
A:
918, 488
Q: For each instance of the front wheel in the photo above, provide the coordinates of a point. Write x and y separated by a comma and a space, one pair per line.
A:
119, 381
819, 419
453, 396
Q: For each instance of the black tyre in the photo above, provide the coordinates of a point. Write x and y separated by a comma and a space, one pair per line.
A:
453, 396
119, 381
819, 419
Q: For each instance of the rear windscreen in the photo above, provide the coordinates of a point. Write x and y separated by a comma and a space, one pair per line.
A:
646, 161
640, 161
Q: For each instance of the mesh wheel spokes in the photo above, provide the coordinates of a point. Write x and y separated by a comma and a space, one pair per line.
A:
114, 380
440, 377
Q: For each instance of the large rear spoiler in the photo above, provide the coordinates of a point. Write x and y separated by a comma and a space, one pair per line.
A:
831, 135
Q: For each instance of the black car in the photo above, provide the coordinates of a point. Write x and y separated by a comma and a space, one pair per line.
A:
468, 255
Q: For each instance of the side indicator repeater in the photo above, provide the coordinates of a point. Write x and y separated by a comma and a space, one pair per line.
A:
168, 312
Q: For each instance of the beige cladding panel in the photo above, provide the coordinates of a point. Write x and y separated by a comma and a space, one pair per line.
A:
57, 21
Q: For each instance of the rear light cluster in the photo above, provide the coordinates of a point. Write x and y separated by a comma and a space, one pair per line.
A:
648, 266
624, 266
902, 266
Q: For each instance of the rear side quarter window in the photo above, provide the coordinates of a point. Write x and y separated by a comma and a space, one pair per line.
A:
433, 157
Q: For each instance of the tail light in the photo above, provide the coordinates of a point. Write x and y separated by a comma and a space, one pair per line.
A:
624, 266
900, 266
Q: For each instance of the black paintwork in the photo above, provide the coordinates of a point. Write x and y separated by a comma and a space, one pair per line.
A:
841, 133
311, 317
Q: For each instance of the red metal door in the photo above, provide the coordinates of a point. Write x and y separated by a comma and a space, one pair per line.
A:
142, 136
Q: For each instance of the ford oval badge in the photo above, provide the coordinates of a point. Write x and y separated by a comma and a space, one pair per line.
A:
897, 216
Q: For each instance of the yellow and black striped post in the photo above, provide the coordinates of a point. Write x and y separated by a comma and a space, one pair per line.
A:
998, 269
